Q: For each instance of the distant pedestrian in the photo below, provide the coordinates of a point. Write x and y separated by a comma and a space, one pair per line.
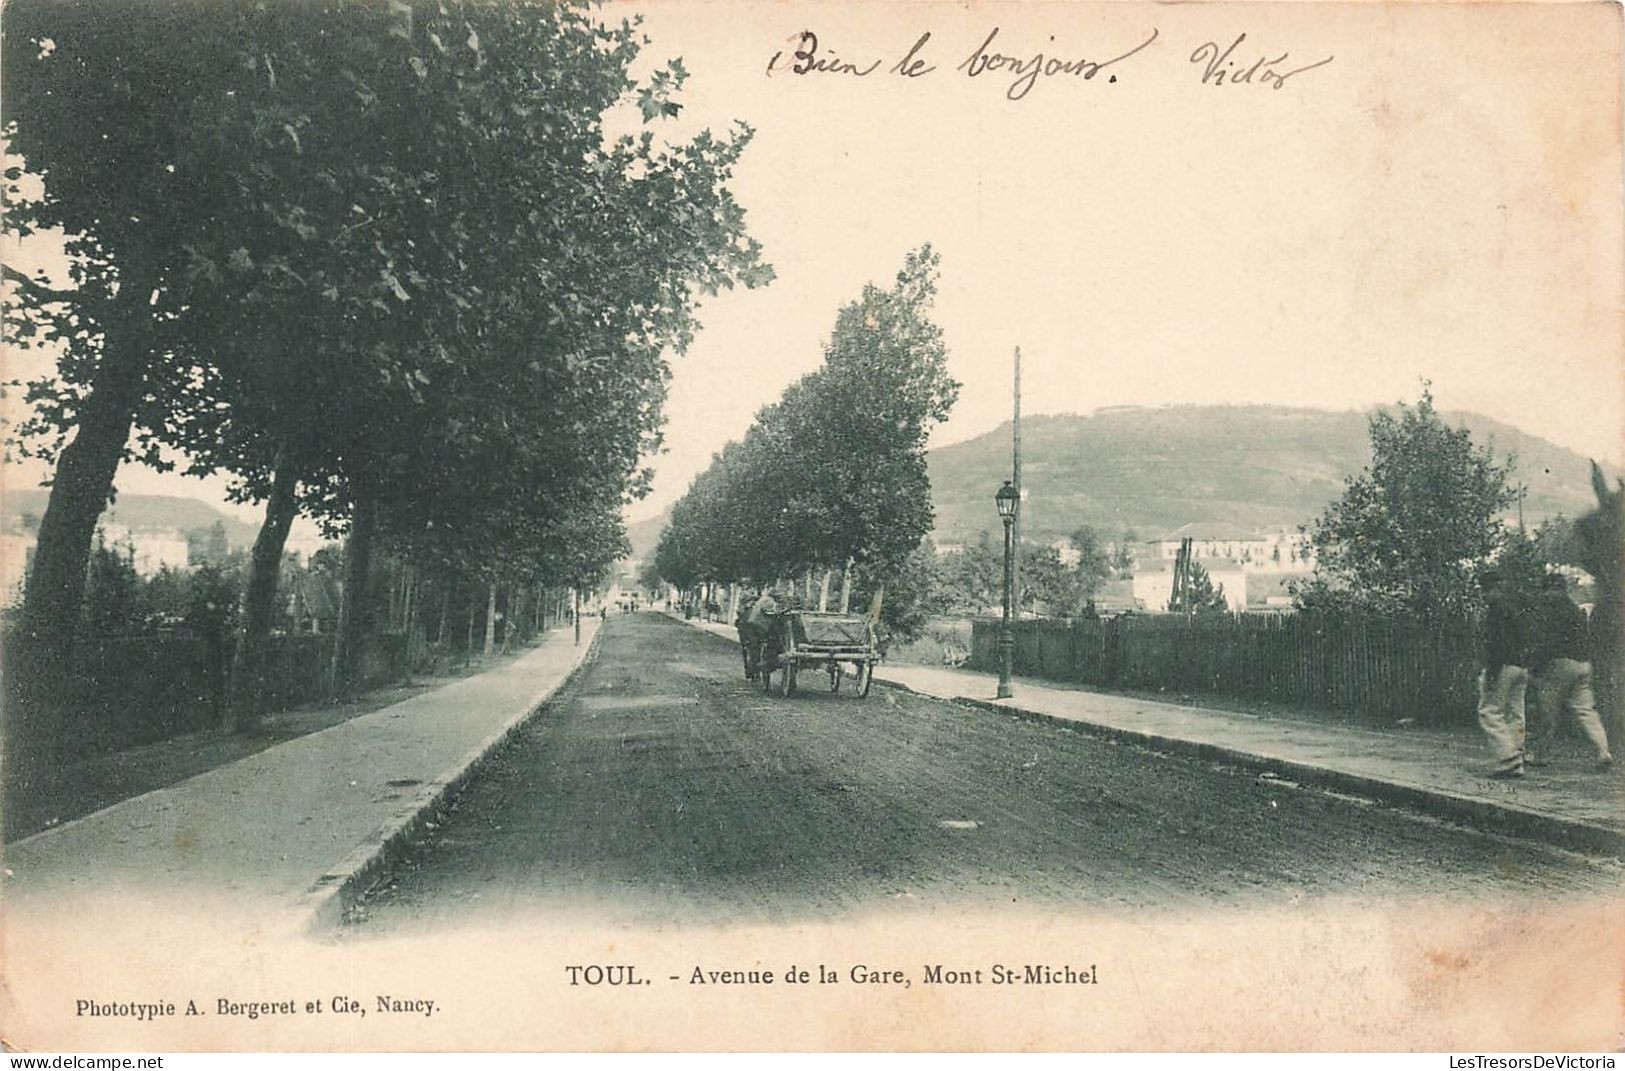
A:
1504, 681
1562, 666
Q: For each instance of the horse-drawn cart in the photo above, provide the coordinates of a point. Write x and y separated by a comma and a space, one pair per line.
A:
843, 645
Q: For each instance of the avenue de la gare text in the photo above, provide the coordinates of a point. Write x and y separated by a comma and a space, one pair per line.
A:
859, 974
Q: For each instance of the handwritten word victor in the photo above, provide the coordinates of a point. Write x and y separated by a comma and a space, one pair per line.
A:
1227, 68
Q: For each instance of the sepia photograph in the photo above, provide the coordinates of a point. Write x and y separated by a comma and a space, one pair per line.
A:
812, 526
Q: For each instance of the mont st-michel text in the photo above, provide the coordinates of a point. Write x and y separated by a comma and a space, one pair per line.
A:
822, 974
1018, 66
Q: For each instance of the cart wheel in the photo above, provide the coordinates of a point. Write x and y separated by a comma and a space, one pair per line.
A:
835, 674
787, 679
866, 676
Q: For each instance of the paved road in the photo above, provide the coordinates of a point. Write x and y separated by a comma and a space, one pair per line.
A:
661, 787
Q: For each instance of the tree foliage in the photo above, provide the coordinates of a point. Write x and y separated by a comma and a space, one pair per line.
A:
1064, 585
1411, 531
973, 577
381, 263
833, 474
1202, 598
914, 594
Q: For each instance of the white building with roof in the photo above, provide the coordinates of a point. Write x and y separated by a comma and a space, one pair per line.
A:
1278, 550
151, 549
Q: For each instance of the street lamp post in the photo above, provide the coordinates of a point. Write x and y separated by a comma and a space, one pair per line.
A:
1008, 501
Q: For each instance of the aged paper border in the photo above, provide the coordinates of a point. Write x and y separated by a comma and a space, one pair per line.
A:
1341, 973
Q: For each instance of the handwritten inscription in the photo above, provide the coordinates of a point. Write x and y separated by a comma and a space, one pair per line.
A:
807, 60
1229, 68
911, 65
810, 56
983, 61
1021, 70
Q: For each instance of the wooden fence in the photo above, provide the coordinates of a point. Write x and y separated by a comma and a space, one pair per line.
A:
1379, 668
127, 691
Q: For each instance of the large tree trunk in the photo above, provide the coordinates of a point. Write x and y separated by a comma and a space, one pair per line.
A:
409, 591
353, 604
392, 613
490, 623
259, 600
81, 487
445, 609
516, 613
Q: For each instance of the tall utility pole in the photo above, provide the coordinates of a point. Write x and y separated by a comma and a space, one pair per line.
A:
1015, 445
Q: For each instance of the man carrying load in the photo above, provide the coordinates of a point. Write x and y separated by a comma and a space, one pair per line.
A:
755, 625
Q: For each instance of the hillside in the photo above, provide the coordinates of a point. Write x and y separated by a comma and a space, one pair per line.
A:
644, 535
1153, 470
138, 513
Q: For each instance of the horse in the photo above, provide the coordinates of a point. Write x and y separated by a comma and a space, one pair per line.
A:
1601, 535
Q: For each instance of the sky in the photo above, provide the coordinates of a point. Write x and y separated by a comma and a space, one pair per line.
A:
1433, 203
1440, 200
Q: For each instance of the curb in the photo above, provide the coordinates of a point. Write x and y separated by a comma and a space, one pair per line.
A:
330, 899
1482, 815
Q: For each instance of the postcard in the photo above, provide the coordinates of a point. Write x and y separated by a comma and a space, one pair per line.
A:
1074, 462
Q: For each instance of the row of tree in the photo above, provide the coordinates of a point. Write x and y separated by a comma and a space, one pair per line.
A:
971, 579
831, 479
379, 263
440, 616
1410, 536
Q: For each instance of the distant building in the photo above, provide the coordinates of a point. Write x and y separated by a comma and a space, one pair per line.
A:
151, 550
313, 606
1273, 551
1209, 539
1154, 582
150, 553
1116, 597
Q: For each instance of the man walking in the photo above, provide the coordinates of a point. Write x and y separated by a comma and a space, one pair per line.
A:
1563, 674
1505, 679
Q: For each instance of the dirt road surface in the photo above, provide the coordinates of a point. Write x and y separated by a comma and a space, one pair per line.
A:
662, 788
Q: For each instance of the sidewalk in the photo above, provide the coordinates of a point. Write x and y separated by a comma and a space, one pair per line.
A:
290, 835
1442, 773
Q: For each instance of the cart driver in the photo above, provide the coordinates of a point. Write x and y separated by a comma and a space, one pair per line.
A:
755, 628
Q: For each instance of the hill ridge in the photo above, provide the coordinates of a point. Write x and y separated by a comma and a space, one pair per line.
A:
138, 512
1152, 469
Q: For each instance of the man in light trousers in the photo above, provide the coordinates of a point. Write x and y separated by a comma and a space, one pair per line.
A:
1563, 676
1503, 683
